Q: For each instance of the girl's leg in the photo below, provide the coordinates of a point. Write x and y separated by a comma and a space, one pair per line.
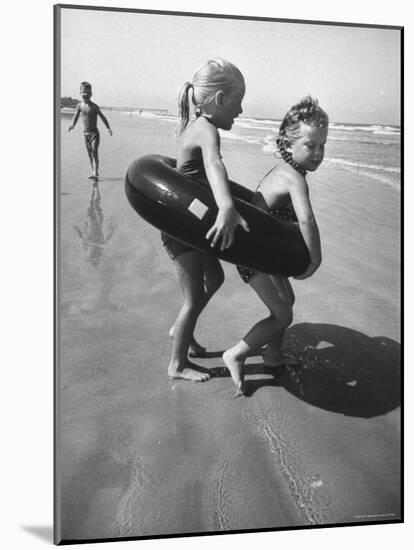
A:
189, 270
290, 292
274, 293
213, 277
273, 355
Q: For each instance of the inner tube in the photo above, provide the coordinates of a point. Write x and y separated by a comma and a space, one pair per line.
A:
185, 209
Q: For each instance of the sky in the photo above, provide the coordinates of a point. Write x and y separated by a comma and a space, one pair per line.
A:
141, 59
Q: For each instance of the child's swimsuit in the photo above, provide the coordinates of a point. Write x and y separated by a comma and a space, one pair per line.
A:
194, 168
91, 138
286, 214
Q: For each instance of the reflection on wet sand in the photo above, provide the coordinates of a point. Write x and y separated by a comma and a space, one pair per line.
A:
95, 235
92, 235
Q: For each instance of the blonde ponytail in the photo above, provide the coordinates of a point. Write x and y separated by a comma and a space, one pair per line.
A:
216, 74
184, 107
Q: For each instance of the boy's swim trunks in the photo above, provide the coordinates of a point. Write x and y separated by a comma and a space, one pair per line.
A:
91, 139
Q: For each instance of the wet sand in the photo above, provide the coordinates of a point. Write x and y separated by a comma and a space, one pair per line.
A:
140, 455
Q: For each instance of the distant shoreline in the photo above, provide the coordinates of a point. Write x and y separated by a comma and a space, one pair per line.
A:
139, 110
69, 111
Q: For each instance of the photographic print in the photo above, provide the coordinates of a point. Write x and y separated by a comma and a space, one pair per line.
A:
228, 274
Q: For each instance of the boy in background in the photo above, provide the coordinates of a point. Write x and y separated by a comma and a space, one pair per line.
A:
90, 112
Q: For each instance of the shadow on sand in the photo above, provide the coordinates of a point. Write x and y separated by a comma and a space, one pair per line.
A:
342, 370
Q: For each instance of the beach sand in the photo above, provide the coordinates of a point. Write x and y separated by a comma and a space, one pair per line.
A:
140, 455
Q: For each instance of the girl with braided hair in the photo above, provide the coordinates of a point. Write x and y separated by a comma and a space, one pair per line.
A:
284, 193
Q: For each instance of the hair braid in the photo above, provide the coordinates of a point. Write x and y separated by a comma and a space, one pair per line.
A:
287, 157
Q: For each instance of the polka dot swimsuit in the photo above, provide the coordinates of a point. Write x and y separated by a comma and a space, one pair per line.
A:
286, 213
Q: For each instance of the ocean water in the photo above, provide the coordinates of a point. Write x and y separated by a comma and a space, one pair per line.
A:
369, 150
98, 226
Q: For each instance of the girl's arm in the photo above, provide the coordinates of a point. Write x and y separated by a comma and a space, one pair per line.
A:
227, 218
299, 194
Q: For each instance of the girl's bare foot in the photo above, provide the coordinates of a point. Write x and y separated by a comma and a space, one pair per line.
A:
186, 372
235, 367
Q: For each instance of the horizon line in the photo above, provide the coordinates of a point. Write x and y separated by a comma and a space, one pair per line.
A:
165, 111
